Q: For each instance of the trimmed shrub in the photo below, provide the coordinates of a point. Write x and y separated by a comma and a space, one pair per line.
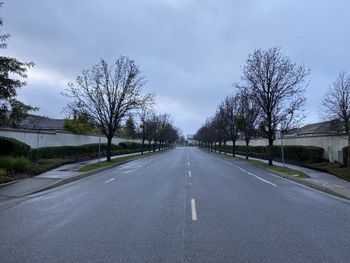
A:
4, 177
70, 151
345, 155
14, 165
300, 153
90, 150
3, 172
20, 165
309, 154
13, 147
130, 145
6, 162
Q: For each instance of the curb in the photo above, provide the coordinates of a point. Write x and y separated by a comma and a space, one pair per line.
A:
310, 184
9, 183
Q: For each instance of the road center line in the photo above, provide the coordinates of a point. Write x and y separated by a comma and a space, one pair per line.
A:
193, 208
257, 177
189, 174
188, 163
110, 180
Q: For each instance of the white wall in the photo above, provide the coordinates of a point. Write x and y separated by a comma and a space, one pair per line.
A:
37, 139
331, 144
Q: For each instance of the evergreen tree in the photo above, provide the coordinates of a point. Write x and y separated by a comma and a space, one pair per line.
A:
130, 127
9, 86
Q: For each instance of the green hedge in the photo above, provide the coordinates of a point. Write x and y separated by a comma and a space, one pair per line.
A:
68, 151
309, 154
14, 164
345, 155
90, 150
131, 145
13, 147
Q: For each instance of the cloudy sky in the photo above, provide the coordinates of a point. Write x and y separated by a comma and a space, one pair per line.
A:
190, 51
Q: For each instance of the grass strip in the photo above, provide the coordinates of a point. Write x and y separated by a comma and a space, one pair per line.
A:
93, 166
279, 169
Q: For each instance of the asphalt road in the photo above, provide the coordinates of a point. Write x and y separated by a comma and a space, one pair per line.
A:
183, 205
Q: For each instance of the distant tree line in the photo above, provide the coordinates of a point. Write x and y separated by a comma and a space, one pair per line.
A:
157, 129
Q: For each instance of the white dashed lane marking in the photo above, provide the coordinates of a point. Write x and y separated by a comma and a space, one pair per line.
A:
193, 209
110, 180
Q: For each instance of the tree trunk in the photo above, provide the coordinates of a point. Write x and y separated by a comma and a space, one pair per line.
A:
233, 148
142, 144
160, 143
270, 151
219, 146
247, 149
149, 146
109, 148
154, 147
225, 147
348, 161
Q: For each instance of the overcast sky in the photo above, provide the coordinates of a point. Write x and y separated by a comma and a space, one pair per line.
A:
190, 51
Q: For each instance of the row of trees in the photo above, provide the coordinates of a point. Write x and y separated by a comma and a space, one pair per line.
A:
107, 95
156, 128
269, 97
101, 98
237, 114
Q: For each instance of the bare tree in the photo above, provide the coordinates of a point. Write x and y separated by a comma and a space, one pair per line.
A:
277, 86
219, 125
107, 94
165, 125
142, 129
206, 135
152, 129
157, 128
336, 105
230, 109
248, 117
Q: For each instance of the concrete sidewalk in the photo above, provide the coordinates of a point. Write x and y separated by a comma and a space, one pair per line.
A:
319, 180
56, 177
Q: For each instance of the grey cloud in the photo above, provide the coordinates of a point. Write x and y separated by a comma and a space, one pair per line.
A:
190, 51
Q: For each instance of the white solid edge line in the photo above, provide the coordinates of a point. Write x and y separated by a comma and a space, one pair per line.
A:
257, 177
193, 209
110, 180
